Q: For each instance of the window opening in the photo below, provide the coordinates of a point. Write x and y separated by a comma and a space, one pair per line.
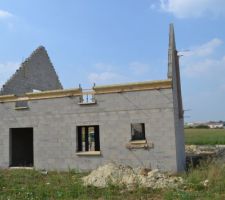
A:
87, 97
88, 138
21, 105
137, 131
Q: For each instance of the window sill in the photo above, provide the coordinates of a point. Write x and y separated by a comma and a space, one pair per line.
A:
139, 144
87, 103
21, 108
89, 153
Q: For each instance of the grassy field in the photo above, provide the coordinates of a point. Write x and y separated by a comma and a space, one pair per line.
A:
32, 185
204, 136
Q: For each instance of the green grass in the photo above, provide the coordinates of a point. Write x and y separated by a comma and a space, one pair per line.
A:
204, 136
32, 185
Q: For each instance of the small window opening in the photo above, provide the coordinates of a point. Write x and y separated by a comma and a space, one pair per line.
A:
21, 105
137, 131
88, 138
87, 98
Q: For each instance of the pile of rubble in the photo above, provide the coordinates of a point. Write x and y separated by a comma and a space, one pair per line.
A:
116, 174
214, 150
201, 149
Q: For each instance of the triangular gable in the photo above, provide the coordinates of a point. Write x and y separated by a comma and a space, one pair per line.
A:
35, 73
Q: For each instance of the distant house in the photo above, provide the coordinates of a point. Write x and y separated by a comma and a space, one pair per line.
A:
211, 124
215, 124
138, 124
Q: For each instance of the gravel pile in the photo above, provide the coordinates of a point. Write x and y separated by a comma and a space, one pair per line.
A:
124, 175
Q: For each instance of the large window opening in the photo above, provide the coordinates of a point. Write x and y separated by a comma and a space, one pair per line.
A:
88, 138
21, 147
137, 131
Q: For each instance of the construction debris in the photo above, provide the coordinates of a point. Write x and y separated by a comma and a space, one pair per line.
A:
204, 149
123, 175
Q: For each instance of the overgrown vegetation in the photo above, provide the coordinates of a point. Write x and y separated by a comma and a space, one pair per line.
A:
204, 136
205, 182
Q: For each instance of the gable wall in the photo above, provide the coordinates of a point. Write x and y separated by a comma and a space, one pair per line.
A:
37, 72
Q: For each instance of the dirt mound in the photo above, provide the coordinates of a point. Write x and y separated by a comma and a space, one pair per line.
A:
116, 174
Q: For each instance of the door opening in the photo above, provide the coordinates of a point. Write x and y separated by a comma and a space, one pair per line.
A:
21, 147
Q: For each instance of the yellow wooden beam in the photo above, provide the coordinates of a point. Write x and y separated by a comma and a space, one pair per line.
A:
54, 94
7, 97
136, 86
41, 95
139, 86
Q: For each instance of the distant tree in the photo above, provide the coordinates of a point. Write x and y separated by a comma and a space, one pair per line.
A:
202, 126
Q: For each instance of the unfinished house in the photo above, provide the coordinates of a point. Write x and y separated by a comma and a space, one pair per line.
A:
47, 127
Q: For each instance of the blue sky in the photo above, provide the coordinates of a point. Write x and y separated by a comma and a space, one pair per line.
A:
115, 41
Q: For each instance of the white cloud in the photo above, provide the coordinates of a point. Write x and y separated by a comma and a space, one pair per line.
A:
5, 14
103, 77
103, 66
207, 67
6, 70
205, 49
139, 68
193, 8
203, 71
105, 74
200, 61
7, 19
106, 78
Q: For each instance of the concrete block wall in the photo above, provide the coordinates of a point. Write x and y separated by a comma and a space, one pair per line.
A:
179, 128
55, 121
36, 72
174, 74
